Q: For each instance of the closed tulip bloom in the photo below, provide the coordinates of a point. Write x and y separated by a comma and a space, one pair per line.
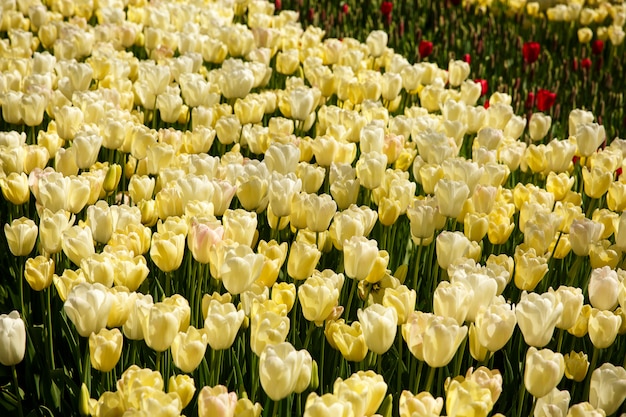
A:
236, 81
282, 158
365, 390
467, 398
303, 259
319, 210
167, 250
583, 233
130, 271
184, 386
281, 192
452, 300
589, 136
216, 402
529, 268
360, 256
537, 315
284, 293
160, 325
616, 196
585, 410
21, 236
572, 299
576, 365
302, 101
222, 323
370, 169
603, 288
132, 326
451, 246
87, 146
88, 306
539, 126
327, 405
391, 84
38, 272
69, 120
559, 184
458, 71
603, 327
554, 404
318, 297
442, 339
543, 371
596, 181
495, 325
607, 390
379, 325
348, 339
77, 243
12, 338
451, 195
141, 187
105, 349
267, 328
15, 188
283, 370
188, 349
422, 404
240, 268
422, 219
100, 221
402, 299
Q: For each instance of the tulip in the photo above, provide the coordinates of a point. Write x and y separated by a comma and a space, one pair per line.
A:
221, 324
284, 293
160, 325
603, 288
267, 328
21, 236
425, 48
88, 307
77, 243
537, 315
607, 389
422, 404
327, 404
576, 366
452, 300
38, 272
188, 349
12, 339
365, 390
183, 386
572, 300
543, 371
402, 299
105, 349
303, 259
240, 268
603, 327
451, 246
216, 401
15, 188
530, 51
467, 397
283, 370
495, 325
318, 297
379, 324
167, 250
348, 339
554, 404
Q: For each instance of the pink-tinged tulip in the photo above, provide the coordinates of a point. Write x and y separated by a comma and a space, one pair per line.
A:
216, 402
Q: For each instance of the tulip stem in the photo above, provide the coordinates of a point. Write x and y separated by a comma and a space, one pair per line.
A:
431, 378
592, 367
48, 313
522, 398
18, 397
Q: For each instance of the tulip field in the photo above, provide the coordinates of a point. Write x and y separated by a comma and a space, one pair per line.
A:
312, 208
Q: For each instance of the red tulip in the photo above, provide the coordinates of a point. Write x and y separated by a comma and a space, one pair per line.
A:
597, 47
618, 173
345, 8
486, 105
385, 8
278, 4
484, 86
585, 63
425, 48
531, 50
310, 14
467, 58
545, 99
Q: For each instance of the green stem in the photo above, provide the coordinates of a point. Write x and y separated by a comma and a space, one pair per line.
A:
49, 331
522, 398
592, 367
431, 378
157, 362
18, 397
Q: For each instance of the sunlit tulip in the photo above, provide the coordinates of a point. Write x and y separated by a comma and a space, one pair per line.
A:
554, 404
216, 401
77, 243
348, 339
537, 315
15, 188
167, 250
221, 324
572, 300
402, 299
467, 397
317, 297
88, 306
365, 390
303, 259
379, 325
99, 267
21, 236
188, 349
160, 325
283, 370
105, 348
38, 272
543, 371
267, 328
603, 327
458, 71
183, 386
451, 246
603, 288
607, 390
539, 126
12, 338
530, 268
422, 404
576, 365
327, 404
360, 258
452, 300
585, 410
130, 271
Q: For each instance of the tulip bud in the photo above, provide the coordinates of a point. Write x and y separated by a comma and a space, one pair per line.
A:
12, 338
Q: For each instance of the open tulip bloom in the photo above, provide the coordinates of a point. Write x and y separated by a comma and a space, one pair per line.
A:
275, 208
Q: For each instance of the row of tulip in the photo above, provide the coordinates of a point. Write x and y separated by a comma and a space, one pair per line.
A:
295, 224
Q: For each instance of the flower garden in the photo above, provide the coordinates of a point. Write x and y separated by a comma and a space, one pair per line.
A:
246, 208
